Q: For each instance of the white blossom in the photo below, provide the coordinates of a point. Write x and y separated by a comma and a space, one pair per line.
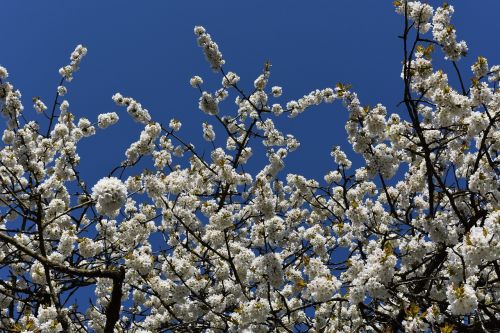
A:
208, 104
230, 79
39, 106
277, 91
105, 120
62, 90
175, 124
76, 57
208, 132
3, 73
210, 48
462, 299
110, 194
195, 81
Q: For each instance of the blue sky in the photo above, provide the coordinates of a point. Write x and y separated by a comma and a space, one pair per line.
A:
147, 50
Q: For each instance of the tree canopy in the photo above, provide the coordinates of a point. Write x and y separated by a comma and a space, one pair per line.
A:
177, 239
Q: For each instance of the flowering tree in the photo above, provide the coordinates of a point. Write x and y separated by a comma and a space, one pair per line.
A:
408, 242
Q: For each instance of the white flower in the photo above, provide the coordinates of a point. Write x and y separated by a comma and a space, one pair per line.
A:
277, 109
66, 243
433, 315
8, 136
222, 219
199, 30
134, 108
277, 91
259, 100
328, 95
494, 74
208, 132
39, 106
445, 34
37, 273
60, 131
462, 299
323, 288
361, 174
175, 124
3, 73
87, 247
61, 90
260, 82
269, 267
480, 67
110, 194
105, 120
76, 57
255, 311
333, 176
210, 48
340, 157
230, 79
47, 317
195, 81
292, 143
64, 106
419, 12
86, 127
208, 104
415, 325
139, 114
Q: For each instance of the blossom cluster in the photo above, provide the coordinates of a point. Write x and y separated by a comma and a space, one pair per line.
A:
110, 194
210, 48
445, 34
76, 57
134, 108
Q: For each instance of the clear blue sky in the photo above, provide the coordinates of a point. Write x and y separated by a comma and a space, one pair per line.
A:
146, 49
